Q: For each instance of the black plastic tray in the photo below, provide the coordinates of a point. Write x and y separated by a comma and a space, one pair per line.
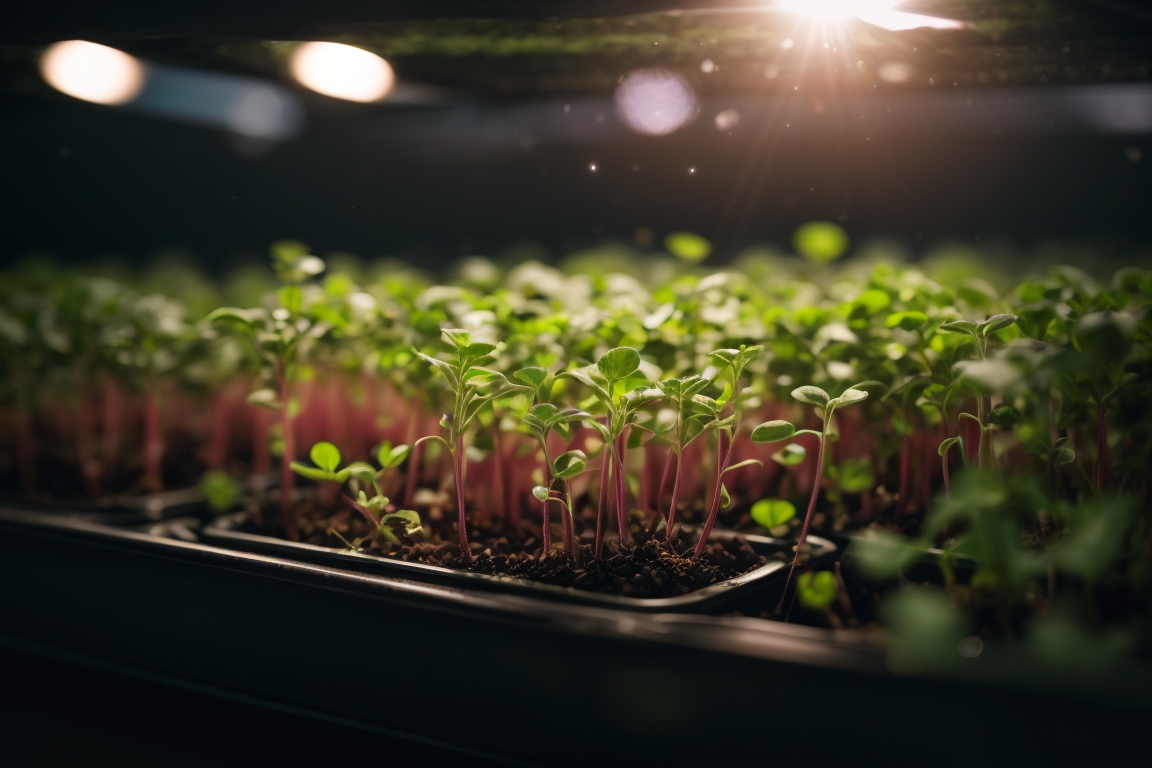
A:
750, 592
535, 682
123, 510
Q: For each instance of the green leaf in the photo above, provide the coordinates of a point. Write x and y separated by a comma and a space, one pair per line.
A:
881, 555
773, 431
220, 491
996, 323
771, 513
958, 326
265, 398
570, 464
232, 314
326, 456
812, 396
725, 499
458, 338
947, 444
816, 591
687, 246
908, 321
533, 376
850, 396
291, 298
541, 493
821, 241
358, 469
1004, 416
618, 363
790, 455
312, 473
742, 464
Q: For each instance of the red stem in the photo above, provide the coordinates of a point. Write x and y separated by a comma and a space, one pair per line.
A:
671, 518
722, 457
601, 508
947, 479
547, 531
808, 516
362, 509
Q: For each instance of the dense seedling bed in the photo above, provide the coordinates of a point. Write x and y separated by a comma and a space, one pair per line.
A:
984, 441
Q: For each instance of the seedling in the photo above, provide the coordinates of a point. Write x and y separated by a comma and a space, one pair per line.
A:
473, 386
775, 431
376, 509
280, 339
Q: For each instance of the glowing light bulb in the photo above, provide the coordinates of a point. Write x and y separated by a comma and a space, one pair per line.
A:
92, 72
342, 71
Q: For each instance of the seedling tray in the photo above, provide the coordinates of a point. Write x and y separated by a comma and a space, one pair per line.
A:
535, 682
750, 592
125, 510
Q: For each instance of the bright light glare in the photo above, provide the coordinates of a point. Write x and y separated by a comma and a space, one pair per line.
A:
342, 72
834, 10
92, 72
655, 102
878, 13
896, 21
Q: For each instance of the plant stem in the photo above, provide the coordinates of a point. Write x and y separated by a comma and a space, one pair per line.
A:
601, 508
458, 471
722, 457
287, 478
621, 504
947, 479
671, 519
546, 530
569, 532
362, 510
811, 510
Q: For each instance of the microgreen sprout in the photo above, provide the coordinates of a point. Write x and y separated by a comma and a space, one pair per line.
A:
473, 386
775, 431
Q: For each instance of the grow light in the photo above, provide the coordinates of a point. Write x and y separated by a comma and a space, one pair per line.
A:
92, 72
879, 13
342, 71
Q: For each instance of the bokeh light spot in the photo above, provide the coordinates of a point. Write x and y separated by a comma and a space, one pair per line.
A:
92, 72
342, 71
655, 102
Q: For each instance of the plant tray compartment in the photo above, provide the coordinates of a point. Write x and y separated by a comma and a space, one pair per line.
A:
752, 591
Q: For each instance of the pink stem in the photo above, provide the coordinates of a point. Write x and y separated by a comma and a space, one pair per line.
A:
547, 531
947, 480
602, 507
722, 457
808, 516
362, 509
671, 518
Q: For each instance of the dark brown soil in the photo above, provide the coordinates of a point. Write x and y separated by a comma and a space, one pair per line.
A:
647, 569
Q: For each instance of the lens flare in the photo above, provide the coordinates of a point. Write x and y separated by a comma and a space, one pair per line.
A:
655, 102
92, 72
342, 71
834, 10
